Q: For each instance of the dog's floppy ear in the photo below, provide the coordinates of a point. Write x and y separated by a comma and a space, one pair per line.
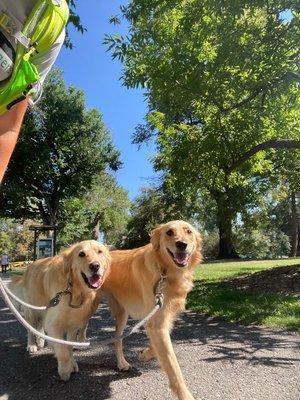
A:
198, 241
107, 253
66, 259
155, 236
198, 253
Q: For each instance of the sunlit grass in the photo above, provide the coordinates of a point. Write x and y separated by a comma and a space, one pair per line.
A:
212, 296
218, 270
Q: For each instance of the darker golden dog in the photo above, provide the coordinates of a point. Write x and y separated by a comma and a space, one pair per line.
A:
82, 268
174, 252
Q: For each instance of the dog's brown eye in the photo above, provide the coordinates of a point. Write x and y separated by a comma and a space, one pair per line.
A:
100, 251
189, 231
82, 254
170, 232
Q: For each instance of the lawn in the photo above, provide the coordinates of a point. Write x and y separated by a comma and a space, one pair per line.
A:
212, 296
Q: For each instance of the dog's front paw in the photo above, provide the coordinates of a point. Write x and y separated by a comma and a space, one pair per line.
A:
32, 348
40, 343
124, 366
65, 372
65, 376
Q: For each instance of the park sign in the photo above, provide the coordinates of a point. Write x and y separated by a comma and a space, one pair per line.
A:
45, 248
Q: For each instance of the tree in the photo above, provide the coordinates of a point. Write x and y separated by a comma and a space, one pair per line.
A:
61, 148
74, 19
102, 210
149, 209
222, 82
16, 239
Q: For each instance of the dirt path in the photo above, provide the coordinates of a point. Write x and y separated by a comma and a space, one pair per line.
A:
219, 361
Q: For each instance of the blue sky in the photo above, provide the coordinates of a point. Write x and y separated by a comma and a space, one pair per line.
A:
88, 66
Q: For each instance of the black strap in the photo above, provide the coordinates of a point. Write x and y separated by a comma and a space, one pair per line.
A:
7, 47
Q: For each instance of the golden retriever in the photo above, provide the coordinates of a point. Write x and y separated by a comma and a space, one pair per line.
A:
174, 251
83, 267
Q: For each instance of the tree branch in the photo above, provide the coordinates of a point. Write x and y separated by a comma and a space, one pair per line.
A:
269, 144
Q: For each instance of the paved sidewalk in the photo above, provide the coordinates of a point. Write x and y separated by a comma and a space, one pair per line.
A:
219, 361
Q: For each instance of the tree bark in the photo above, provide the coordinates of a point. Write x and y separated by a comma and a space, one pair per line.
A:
226, 246
96, 230
225, 217
269, 144
294, 226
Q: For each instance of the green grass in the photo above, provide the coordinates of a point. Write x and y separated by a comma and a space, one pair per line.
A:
218, 270
211, 296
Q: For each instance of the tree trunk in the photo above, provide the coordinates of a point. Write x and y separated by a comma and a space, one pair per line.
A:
226, 246
294, 226
225, 217
96, 230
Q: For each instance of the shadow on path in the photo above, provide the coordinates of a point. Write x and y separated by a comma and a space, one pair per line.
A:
35, 376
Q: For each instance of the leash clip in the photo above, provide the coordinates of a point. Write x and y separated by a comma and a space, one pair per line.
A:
57, 298
55, 301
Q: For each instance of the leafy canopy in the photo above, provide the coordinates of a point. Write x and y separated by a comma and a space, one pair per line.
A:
62, 147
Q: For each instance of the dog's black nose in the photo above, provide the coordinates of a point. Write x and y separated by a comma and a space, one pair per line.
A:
94, 266
181, 245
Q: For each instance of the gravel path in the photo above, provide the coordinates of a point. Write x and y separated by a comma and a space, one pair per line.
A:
219, 361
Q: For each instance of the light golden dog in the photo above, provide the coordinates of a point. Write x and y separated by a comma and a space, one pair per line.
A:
82, 268
174, 251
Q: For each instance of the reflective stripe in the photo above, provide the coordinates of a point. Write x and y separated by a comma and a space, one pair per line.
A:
21, 38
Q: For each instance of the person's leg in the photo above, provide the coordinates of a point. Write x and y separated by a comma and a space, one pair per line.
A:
10, 125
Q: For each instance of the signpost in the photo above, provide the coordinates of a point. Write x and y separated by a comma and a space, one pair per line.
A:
44, 247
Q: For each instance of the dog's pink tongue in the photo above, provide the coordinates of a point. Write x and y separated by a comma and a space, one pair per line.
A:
182, 258
95, 281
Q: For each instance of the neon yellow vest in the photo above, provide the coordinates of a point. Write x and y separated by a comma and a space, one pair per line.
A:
44, 25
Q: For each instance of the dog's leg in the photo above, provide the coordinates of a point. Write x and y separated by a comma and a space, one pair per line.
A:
39, 341
71, 336
63, 353
31, 341
121, 317
82, 333
161, 342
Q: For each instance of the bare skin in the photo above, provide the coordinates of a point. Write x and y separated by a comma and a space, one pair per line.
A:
10, 125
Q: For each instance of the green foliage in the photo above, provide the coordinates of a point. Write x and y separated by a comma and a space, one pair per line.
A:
259, 244
210, 245
152, 207
104, 209
220, 78
16, 239
61, 148
74, 20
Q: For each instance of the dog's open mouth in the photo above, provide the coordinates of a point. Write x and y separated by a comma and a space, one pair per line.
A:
94, 281
181, 258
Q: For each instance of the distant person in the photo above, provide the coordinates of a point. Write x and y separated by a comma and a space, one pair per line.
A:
4, 263
31, 35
